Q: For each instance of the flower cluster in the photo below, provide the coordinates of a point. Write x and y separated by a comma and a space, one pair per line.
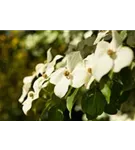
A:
75, 71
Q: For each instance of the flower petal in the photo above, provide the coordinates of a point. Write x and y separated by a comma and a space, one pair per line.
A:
25, 91
40, 68
79, 76
124, 57
49, 55
28, 79
102, 48
62, 63
49, 69
37, 86
56, 76
27, 84
24, 94
45, 84
116, 40
73, 59
27, 104
50, 66
100, 36
103, 65
90, 61
61, 87
57, 57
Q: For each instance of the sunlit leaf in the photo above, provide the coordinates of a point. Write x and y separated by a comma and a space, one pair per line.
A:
71, 101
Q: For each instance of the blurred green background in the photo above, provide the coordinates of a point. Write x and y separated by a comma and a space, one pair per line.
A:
20, 51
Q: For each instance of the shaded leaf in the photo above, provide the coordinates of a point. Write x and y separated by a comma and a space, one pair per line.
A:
114, 104
55, 114
128, 78
123, 34
131, 38
93, 104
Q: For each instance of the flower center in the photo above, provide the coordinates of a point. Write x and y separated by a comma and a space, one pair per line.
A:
31, 95
111, 53
89, 70
45, 76
67, 74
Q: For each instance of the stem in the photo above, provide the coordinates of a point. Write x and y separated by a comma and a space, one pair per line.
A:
111, 74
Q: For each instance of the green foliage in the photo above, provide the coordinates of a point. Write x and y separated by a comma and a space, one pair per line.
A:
123, 34
70, 101
105, 87
93, 104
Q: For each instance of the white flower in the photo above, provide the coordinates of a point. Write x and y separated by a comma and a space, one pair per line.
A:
26, 87
74, 74
27, 104
100, 35
111, 56
47, 67
89, 65
45, 70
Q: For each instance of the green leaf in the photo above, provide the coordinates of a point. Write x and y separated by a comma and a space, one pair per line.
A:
93, 104
69, 92
114, 104
128, 78
123, 34
86, 46
131, 38
105, 88
87, 50
124, 97
106, 92
49, 104
110, 109
89, 41
70, 101
55, 114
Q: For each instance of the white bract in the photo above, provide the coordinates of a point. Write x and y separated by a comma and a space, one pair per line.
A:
45, 70
111, 56
27, 104
73, 73
27, 84
100, 35
89, 64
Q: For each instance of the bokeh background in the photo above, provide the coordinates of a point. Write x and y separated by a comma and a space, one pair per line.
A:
21, 51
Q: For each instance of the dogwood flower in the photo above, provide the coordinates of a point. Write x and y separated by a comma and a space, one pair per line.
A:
111, 56
41, 67
73, 73
89, 62
100, 35
45, 70
26, 87
27, 104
